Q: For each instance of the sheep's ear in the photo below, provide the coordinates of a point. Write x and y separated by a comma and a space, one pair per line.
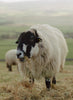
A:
35, 32
21, 35
38, 40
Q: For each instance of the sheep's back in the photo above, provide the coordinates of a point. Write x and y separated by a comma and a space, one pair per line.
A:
10, 57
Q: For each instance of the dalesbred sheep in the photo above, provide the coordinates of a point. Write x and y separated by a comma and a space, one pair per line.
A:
11, 59
41, 52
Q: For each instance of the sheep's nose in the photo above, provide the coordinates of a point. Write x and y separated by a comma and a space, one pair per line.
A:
18, 55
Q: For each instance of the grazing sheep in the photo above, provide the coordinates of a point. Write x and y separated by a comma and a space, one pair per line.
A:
11, 58
41, 52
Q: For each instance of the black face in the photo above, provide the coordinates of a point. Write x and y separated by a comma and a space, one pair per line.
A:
26, 41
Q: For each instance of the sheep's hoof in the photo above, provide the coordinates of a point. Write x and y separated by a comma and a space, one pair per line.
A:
10, 69
53, 83
48, 84
54, 80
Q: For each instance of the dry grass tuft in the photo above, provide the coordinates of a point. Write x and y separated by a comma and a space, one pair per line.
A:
26, 91
23, 90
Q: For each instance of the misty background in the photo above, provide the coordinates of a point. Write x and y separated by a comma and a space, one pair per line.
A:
17, 16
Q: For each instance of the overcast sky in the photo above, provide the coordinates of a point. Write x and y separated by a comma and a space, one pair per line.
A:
37, 0
15, 0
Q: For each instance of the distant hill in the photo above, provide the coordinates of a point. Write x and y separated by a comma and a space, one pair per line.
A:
44, 6
41, 11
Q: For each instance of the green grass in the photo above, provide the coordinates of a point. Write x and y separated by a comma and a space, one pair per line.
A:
70, 47
70, 52
12, 29
66, 29
6, 77
8, 44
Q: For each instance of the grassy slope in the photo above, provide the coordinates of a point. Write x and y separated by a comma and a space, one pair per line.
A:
70, 47
12, 29
70, 52
6, 45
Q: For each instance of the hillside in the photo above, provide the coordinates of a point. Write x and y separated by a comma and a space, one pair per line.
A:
40, 11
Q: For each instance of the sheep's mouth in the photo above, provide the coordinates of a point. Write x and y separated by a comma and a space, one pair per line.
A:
21, 59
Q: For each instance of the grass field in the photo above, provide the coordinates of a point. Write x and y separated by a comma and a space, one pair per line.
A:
12, 29
8, 44
16, 18
70, 47
70, 52
12, 87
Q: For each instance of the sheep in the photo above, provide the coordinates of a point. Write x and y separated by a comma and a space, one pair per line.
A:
41, 52
11, 59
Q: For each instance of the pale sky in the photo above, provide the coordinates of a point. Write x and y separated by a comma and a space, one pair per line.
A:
37, 0
15, 0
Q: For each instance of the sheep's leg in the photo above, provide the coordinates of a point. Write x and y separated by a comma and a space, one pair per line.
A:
48, 83
31, 80
53, 83
54, 80
61, 68
9, 67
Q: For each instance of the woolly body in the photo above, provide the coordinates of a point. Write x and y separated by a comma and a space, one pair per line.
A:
50, 56
11, 58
